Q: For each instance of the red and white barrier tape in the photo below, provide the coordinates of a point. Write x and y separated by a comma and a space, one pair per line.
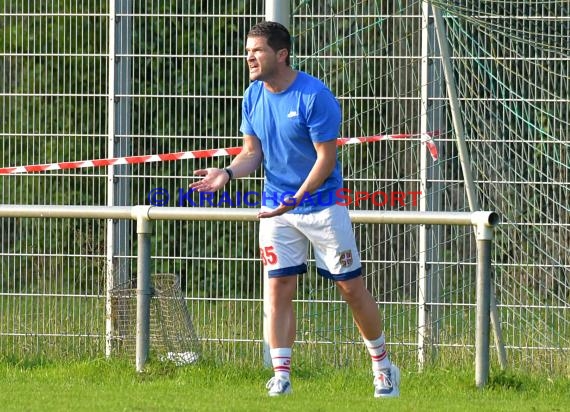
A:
426, 138
195, 154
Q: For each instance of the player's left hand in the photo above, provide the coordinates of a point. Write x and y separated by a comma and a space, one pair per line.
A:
289, 203
282, 208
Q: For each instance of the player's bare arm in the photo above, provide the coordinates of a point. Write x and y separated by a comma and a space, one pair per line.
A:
247, 161
323, 167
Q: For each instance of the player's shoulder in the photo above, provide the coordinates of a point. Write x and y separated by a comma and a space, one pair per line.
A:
308, 80
254, 87
313, 88
252, 93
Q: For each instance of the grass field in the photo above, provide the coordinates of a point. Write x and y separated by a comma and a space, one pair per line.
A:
102, 385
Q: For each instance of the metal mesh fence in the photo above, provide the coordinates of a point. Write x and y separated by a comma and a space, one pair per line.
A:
511, 61
176, 81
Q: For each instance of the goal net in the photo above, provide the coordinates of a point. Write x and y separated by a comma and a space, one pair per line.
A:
172, 333
511, 68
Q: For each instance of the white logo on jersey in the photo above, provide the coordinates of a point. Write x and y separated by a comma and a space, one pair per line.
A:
292, 114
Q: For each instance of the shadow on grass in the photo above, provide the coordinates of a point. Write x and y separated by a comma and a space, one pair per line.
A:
505, 380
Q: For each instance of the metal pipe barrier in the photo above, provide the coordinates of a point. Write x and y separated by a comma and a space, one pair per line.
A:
483, 221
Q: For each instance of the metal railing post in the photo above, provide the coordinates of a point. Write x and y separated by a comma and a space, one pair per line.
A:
118, 143
143, 291
278, 11
483, 293
110, 176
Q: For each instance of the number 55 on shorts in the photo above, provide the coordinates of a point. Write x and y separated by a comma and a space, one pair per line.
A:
268, 255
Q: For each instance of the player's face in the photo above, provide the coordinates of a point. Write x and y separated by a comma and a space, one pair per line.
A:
262, 60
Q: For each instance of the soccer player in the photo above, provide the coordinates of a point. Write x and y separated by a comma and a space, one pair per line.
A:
290, 124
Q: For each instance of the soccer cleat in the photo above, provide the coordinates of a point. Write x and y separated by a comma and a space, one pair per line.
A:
278, 387
387, 384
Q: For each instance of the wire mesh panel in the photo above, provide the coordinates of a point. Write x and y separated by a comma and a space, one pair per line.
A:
511, 60
171, 80
53, 92
186, 80
53, 283
370, 54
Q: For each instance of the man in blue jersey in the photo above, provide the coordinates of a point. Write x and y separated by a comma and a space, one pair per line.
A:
290, 124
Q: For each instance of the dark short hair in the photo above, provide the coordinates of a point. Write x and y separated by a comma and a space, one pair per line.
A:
277, 35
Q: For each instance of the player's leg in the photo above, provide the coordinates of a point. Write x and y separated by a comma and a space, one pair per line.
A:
284, 254
281, 334
281, 314
362, 305
338, 259
369, 322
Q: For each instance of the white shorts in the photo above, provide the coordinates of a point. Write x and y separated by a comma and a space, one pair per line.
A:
284, 241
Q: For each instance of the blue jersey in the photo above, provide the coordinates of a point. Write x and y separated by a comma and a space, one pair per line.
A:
287, 124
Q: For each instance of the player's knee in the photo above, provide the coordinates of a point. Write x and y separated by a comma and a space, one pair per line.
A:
351, 291
282, 288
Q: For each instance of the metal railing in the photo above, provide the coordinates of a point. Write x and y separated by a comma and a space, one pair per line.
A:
484, 223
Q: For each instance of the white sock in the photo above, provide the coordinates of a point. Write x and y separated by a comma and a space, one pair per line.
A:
378, 354
281, 360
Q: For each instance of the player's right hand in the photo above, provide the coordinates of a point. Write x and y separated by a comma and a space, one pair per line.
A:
214, 179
